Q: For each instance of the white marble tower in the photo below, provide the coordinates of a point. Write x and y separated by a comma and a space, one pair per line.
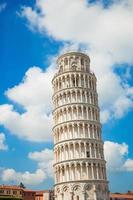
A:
79, 168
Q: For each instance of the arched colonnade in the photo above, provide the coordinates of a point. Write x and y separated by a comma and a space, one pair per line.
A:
68, 131
75, 112
69, 80
75, 96
78, 150
79, 171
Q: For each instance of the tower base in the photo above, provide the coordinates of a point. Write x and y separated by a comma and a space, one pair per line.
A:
82, 191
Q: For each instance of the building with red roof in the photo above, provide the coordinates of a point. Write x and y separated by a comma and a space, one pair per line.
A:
122, 196
14, 192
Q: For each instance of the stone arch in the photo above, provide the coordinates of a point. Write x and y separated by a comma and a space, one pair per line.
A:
76, 187
66, 151
84, 112
73, 96
82, 149
87, 186
66, 61
68, 96
71, 150
57, 190
65, 188
78, 96
67, 81
84, 172
78, 171
77, 80
86, 81
82, 61
77, 192
77, 149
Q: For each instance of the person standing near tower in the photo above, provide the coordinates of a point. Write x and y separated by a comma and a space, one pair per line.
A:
79, 167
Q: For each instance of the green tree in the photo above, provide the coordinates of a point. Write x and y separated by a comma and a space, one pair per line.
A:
21, 185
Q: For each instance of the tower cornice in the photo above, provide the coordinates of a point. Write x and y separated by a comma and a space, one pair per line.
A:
79, 140
78, 121
59, 74
81, 160
73, 53
76, 104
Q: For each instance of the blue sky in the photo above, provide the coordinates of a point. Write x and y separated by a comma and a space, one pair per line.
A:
32, 34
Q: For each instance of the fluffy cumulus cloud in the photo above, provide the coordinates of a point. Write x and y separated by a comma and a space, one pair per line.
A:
116, 157
107, 34
3, 146
9, 175
32, 91
44, 161
105, 29
33, 95
128, 165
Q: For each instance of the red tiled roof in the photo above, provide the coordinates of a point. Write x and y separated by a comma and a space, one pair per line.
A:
14, 187
28, 190
43, 191
122, 196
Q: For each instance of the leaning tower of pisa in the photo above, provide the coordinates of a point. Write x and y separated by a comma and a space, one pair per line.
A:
79, 167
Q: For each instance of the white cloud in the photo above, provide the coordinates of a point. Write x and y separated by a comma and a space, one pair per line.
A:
128, 165
45, 160
116, 156
105, 116
34, 94
42, 156
9, 175
121, 106
32, 91
107, 30
32, 125
2, 6
3, 146
44, 170
107, 34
